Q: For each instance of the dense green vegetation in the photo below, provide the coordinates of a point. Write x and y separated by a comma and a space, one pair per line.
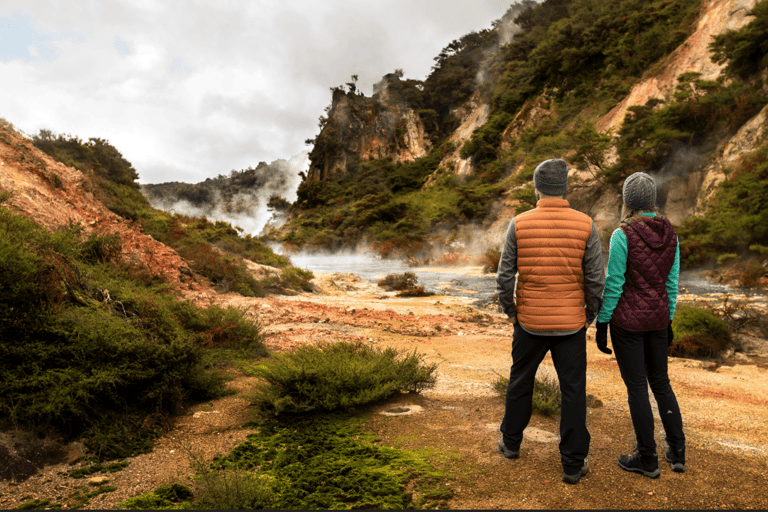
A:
90, 345
384, 202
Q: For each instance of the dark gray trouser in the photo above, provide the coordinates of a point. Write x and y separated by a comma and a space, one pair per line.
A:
569, 354
642, 359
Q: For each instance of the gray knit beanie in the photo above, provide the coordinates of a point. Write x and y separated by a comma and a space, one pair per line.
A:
639, 191
551, 177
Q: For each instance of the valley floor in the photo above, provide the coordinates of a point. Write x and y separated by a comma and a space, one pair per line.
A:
725, 413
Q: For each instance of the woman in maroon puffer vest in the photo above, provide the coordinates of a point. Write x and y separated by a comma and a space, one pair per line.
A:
639, 303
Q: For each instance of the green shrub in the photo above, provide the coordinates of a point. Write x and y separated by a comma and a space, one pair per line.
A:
698, 332
102, 248
234, 489
398, 281
546, 393
39, 505
297, 279
331, 376
171, 496
746, 49
406, 284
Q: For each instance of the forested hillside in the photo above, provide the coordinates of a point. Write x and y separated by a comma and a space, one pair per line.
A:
548, 80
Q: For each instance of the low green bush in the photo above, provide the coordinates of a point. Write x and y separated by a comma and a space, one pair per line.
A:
331, 376
171, 496
698, 332
234, 489
546, 393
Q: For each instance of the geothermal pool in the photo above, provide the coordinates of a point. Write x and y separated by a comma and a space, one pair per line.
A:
464, 281
457, 281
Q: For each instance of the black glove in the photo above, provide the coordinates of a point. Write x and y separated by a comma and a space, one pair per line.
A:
670, 335
602, 337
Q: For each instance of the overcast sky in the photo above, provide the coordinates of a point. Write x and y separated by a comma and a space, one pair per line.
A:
189, 89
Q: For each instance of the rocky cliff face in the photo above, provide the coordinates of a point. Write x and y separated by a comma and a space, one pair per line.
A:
362, 128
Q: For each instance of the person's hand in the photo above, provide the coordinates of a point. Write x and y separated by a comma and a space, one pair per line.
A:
601, 337
670, 334
512, 319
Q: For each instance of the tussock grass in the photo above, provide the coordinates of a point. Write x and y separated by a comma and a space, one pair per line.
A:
546, 393
336, 376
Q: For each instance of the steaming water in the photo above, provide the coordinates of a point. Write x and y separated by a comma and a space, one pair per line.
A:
458, 283
373, 269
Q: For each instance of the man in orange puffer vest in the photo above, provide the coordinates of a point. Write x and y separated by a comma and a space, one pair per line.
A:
559, 258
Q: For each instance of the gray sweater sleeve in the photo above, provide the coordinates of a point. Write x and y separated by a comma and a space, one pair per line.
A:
506, 276
594, 274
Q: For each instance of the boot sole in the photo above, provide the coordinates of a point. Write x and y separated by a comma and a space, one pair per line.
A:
649, 474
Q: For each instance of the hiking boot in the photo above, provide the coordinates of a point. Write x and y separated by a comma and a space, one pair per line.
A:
574, 479
676, 458
506, 451
635, 463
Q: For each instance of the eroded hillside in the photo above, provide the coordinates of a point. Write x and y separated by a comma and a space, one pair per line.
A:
55, 195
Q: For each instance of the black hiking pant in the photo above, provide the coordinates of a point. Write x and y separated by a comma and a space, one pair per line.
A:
569, 355
642, 359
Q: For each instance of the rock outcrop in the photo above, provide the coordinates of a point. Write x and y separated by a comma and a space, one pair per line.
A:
362, 128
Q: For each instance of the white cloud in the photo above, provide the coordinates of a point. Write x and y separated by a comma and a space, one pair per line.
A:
191, 89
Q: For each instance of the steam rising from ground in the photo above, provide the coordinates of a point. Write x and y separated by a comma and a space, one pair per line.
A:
246, 209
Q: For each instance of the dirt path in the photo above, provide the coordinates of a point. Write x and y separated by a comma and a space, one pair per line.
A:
725, 413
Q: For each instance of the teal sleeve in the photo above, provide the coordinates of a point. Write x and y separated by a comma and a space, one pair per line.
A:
614, 280
672, 279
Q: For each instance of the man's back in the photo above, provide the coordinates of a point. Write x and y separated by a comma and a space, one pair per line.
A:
551, 243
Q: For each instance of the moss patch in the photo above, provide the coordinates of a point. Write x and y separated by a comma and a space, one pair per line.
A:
329, 463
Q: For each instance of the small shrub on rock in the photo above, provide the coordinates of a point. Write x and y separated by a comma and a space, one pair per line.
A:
490, 260
406, 284
698, 332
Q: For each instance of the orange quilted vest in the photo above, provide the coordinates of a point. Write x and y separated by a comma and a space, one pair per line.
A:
551, 240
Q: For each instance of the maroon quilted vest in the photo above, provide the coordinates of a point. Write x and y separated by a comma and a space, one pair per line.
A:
651, 247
